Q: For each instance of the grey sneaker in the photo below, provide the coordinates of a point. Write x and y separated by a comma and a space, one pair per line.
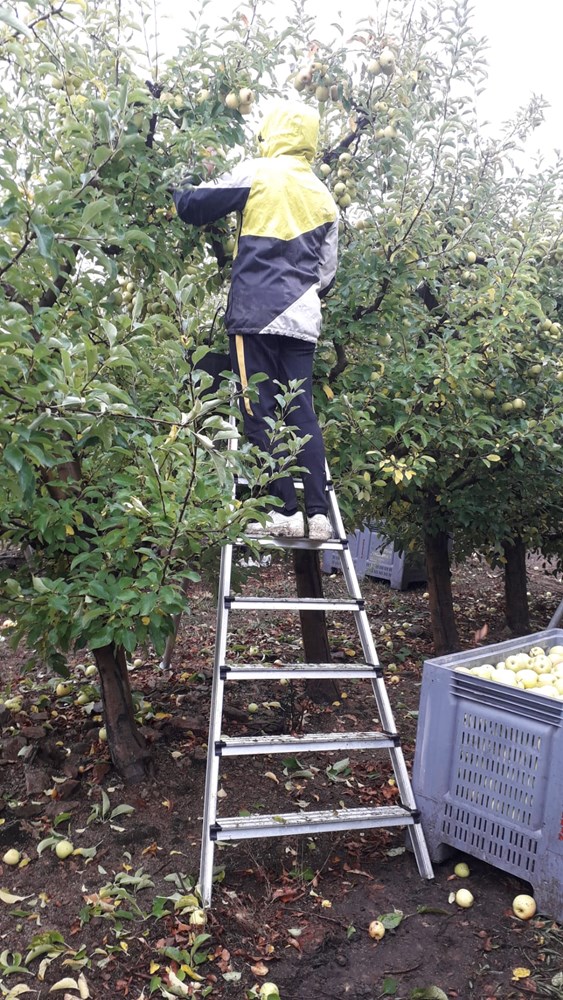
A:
320, 528
278, 526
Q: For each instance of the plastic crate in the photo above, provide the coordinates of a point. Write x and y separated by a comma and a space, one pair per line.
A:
359, 545
488, 770
385, 562
374, 555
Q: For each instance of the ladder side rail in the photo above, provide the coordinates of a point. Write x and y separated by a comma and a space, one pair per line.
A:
370, 654
362, 622
216, 711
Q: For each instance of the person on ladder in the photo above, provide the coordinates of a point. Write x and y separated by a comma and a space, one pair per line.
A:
284, 264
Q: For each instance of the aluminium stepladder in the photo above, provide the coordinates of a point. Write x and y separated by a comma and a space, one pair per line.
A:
216, 828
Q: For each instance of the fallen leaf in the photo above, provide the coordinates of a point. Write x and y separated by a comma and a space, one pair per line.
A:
520, 973
8, 897
260, 969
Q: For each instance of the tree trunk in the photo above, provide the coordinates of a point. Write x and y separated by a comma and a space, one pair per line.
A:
444, 628
128, 749
515, 587
314, 631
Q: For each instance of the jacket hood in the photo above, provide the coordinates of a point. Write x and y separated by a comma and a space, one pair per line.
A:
290, 129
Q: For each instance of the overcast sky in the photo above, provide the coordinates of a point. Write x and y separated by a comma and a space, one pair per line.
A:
525, 40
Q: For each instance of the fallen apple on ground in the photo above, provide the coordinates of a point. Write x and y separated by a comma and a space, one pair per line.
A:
12, 857
524, 906
464, 898
462, 870
64, 849
376, 930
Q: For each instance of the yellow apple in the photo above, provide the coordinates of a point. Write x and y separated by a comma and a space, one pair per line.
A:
376, 930
524, 906
527, 678
12, 857
464, 898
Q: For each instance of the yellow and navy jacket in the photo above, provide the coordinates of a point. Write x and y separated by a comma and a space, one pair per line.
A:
287, 233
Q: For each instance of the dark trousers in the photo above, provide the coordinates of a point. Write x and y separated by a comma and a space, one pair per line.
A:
283, 359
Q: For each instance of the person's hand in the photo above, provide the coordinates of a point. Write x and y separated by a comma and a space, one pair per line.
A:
182, 184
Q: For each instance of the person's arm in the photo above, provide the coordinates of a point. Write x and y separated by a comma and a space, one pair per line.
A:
328, 260
215, 199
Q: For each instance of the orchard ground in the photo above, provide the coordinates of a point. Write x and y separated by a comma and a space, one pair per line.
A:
290, 911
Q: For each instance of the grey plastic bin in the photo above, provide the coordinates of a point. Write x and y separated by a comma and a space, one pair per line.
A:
385, 562
488, 769
359, 545
374, 555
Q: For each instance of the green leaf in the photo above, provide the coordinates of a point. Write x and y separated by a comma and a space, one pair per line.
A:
391, 920
8, 18
45, 239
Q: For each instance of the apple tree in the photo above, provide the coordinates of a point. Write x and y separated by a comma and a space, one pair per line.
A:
442, 358
116, 473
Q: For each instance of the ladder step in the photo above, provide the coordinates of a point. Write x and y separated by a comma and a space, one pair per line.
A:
285, 824
236, 746
335, 544
269, 671
291, 604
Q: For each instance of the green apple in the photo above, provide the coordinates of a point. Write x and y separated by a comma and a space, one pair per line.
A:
64, 849
387, 60
325, 169
62, 690
471, 257
322, 94
245, 95
252, 708
232, 100
374, 67
462, 870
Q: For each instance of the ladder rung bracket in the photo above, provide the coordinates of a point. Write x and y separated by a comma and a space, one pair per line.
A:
291, 604
326, 820
238, 746
299, 671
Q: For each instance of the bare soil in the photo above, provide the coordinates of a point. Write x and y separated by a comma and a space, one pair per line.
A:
293, 911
